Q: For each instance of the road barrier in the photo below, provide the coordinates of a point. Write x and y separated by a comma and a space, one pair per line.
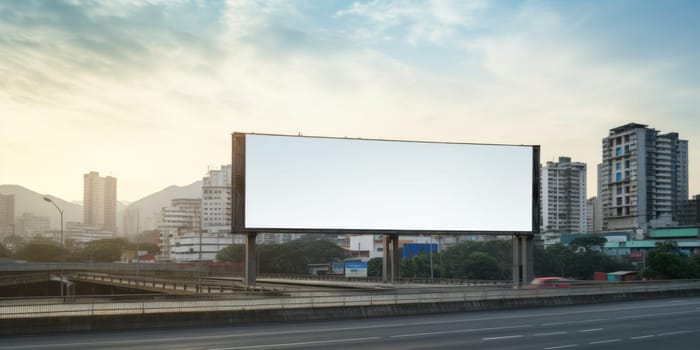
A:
15, 308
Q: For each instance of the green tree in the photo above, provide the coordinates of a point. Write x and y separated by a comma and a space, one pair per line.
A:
40, 251
4, 252
664, 262
232, 253
459, 261
292, 257
375, 267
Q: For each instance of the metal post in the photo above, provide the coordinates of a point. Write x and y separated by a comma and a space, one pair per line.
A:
250, 265
430, 249
60, 211
138, 244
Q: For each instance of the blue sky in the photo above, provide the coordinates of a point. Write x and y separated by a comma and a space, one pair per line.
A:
149, 91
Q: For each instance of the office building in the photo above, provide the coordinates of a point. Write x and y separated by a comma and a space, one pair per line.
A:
563, 196
100, 201
643, 178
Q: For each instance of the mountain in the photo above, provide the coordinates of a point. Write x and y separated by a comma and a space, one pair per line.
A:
150, 206
28, 201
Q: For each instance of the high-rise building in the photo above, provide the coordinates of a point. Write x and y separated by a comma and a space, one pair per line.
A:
689, 213
100, 201
563, 196
643, 178
7, 214
216, 200
594, 215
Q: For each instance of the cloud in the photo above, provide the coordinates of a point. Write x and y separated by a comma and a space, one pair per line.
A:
414, 21
150, 87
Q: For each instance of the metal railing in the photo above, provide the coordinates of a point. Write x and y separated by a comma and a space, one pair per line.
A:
13, 308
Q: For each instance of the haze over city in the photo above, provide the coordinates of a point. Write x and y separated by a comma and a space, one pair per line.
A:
149, 91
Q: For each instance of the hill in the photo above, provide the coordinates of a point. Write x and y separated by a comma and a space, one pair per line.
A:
28, 201
150, 206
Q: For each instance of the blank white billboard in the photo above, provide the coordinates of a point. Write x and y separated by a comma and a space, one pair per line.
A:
331, 183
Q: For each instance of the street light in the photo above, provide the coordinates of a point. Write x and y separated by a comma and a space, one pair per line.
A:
46, 198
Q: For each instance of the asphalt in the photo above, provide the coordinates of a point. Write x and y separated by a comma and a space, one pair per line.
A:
655, 324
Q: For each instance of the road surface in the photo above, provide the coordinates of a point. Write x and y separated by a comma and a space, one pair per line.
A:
656, 324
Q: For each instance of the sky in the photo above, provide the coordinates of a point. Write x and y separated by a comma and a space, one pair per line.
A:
150, 91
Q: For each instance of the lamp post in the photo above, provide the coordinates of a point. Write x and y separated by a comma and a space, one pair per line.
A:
46, 198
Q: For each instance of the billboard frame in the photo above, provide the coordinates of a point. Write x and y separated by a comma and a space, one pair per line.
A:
238, 193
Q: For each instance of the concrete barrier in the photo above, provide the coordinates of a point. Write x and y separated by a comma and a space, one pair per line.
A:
383, 308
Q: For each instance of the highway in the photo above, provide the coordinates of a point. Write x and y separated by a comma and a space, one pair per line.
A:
654, 324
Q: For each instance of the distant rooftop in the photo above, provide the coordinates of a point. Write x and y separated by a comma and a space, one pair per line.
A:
627, 127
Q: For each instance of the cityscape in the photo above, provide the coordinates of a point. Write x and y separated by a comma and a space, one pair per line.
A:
376, 174
643, 183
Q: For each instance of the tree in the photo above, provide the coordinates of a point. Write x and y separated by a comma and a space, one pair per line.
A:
664, 262
4, 252
40, 251
232, 253
292, 257
375, 267
459, 260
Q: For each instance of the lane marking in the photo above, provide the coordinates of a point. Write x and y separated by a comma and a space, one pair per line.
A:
562, 347
643, 336
459, 331
546, 334
299, 343
574, 322
590, 330
504, 337
672, 333
605, 341
654, 315
303, 331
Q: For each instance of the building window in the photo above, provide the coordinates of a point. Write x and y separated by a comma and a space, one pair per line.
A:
618, 151
619, 201
619, 190
618, 176
618, 166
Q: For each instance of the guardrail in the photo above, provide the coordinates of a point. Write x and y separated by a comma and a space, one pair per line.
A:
88, 306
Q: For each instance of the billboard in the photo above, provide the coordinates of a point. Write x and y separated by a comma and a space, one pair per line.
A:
356, 269
323, 184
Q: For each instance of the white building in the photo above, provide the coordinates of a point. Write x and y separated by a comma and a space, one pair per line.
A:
563, 196
81, 233
182, 218
644, 178
216, 200
29, 225
196, 247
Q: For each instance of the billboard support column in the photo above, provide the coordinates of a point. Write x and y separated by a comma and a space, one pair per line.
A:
390, 262
523, 269
395, 258
385, 259
517, 268
251, 261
